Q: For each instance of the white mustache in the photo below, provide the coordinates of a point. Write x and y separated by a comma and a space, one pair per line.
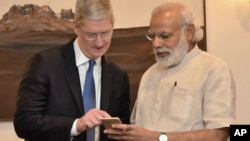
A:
163, 50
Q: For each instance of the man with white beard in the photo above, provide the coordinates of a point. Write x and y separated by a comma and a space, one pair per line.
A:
188, 95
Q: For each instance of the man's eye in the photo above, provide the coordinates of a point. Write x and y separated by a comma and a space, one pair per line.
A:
90, 35
165, 35
151, 35
104, 33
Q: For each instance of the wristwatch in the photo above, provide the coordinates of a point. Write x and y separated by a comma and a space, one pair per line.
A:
163, 137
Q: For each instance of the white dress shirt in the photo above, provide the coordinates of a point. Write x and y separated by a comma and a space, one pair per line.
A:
82, 64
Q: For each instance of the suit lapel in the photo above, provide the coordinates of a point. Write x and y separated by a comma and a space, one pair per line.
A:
72, 74
73, 79
106, 84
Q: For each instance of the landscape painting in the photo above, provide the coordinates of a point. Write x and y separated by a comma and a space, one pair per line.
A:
28, 29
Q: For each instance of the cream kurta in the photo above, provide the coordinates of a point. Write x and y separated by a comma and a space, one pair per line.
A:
199, 93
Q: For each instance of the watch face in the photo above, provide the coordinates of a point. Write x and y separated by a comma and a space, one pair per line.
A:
163, 137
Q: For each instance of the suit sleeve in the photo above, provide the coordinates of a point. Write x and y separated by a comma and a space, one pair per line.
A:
30, 122
125, 110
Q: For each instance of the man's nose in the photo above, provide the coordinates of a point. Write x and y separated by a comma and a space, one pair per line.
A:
156, 42
99, 41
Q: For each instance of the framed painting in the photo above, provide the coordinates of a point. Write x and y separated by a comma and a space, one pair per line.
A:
21, 38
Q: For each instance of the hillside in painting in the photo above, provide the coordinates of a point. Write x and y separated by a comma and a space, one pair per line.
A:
34, 26
35, 18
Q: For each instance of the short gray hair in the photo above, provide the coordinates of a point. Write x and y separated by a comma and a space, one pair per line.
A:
187, 16
93, 9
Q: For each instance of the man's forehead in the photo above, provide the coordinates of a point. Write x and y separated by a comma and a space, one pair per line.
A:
166, 20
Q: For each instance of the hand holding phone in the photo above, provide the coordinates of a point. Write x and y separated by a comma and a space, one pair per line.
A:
107, 122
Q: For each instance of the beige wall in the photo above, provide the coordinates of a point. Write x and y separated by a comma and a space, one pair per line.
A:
229, 40
225, 36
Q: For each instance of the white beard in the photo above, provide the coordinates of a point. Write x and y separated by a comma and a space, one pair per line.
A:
176, 54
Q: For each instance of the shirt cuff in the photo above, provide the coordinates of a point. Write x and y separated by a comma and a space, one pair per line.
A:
73, 129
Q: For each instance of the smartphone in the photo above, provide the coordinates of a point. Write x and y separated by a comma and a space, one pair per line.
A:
107, 122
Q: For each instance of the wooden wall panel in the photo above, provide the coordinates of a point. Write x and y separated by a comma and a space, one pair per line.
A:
129, 49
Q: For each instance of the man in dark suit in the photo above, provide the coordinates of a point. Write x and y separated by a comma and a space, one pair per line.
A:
50, 105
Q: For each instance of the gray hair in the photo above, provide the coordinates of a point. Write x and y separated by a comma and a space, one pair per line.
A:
187, 17
93, 9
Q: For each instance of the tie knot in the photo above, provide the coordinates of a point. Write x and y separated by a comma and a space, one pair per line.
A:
91, 63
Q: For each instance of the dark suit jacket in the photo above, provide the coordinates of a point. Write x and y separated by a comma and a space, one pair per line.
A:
50, 97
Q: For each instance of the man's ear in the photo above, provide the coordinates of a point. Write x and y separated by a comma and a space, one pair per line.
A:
76, 28
189, 31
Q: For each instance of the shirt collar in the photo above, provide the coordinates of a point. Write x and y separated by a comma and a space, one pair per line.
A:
80, 57
189, 56
192, 53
